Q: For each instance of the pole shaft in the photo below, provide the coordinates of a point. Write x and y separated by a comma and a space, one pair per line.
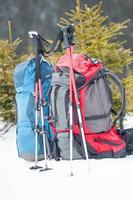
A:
71, 117
42, 122
70, 53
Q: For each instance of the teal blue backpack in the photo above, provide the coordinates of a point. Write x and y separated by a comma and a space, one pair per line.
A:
24, 80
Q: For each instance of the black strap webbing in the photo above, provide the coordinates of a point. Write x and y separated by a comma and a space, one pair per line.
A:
97, 117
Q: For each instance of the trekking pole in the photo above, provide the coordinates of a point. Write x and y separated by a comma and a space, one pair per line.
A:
45, 142
39, 104
67, 45
68, 42
31, 34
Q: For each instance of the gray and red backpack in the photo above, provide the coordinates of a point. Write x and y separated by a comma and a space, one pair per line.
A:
96, 104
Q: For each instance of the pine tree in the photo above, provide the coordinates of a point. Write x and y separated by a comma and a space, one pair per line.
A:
96, 37
8, 61
128, 83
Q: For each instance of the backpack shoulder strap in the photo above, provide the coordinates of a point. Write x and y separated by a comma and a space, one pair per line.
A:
116, 79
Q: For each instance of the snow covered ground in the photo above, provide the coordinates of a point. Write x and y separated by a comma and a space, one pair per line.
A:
109, 179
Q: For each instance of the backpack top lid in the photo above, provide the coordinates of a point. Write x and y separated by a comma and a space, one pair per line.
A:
24, 74
81, 63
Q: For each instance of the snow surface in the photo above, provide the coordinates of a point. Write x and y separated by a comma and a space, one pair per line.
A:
109, 179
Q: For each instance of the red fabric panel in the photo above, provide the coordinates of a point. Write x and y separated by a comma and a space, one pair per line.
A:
81, 64
95, 140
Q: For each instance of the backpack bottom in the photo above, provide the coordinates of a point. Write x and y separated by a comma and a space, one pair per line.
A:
103, 145
30, 157
64, 145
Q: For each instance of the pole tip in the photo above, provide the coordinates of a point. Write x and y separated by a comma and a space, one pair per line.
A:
70, 174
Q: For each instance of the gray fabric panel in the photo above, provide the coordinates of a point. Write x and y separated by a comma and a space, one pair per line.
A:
52, 99
60, 79
58, 99
97, 102
62, 116
64, 145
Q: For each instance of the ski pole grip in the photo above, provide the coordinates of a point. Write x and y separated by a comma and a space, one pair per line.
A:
32, 33
65, 37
